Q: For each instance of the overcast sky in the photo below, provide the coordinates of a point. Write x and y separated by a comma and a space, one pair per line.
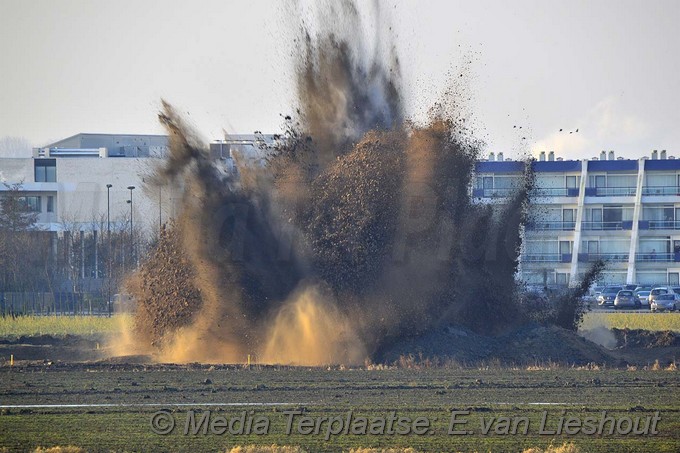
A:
609, 68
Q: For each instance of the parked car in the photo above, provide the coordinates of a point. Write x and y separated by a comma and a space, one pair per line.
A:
630, 287
606, 299
665, 302
658, 291
626, 299
643, 297
643, 288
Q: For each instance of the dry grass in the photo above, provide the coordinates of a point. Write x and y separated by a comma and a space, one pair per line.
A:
384, 450
266, 449
60, 325
564, 448
68, 449
645, 321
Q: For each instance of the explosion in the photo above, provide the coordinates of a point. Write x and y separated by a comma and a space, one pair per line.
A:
359, 231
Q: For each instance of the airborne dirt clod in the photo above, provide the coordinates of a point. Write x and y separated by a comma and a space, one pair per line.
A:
357, 236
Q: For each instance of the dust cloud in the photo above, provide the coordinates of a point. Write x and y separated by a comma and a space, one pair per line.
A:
358, 232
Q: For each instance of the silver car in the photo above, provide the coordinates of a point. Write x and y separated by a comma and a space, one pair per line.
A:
656, 292
644, 297
626, 299
665, 302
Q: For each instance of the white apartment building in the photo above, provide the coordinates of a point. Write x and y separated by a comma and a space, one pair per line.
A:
624, 211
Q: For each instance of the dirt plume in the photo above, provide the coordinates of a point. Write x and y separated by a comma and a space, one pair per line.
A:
358, 232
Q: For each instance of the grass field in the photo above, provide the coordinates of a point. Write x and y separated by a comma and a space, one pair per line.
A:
60, 325
95, 325
646, 321
120, 401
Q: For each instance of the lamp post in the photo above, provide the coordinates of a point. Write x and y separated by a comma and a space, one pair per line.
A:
108, 247
132, 240
160, 209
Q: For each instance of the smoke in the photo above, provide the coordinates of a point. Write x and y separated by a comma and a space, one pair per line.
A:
358, 232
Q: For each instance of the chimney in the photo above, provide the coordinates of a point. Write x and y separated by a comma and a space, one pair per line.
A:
663, 154
560, 159
594, 158
671, 157
611, 154
551, 156
619, 158
655, 154
491, 157
603, 155
499, 157
541, 156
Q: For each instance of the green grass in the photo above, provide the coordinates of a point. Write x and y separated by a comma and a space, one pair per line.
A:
646, 321
60, 325
427, 393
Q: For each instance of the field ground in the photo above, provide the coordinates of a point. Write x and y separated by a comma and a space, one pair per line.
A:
632, 320
61, 325
108, 405
95, 325
124, 397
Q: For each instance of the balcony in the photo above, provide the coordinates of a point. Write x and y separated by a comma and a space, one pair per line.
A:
537, 192
494, 193
659, 225
551, 226
660, 190
546, 258
651, 257
614, 257
554, 192
611, 191
607, 226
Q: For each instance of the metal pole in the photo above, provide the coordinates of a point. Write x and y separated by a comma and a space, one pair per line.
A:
108, 248
132, 239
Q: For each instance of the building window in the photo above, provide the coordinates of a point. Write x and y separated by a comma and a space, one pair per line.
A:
45, 170
50, 203
31, 204
571, 182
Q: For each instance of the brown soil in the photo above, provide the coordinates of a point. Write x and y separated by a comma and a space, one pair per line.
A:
529, 345
636, 338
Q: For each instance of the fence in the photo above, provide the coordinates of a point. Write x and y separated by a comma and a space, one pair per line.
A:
56, 303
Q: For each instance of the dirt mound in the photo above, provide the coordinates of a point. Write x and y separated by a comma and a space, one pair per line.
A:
71, 348
529, 344
636, 338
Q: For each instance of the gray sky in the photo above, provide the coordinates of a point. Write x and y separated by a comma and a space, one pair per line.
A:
609, 68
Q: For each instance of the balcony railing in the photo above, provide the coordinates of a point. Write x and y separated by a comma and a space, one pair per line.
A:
494, 193
546, 258
607, 226
551, 226
537, 192
589, 257
661, 190
554, 192
610, 191
659, 224
652, 257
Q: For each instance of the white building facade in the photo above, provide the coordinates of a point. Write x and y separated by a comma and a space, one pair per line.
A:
626, 212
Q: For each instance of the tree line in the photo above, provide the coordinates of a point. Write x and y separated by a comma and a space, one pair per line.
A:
77, 268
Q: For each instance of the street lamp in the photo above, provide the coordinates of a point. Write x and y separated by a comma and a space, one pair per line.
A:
108, 246
132, 240
160, 209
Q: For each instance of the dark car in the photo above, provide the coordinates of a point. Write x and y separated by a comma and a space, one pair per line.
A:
626, 299
606, 299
